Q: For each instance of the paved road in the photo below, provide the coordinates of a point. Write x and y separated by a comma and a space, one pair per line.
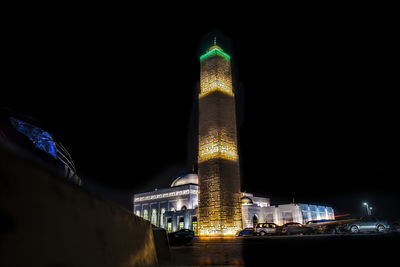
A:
284, 250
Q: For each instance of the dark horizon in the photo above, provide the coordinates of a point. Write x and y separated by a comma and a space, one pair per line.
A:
309, 105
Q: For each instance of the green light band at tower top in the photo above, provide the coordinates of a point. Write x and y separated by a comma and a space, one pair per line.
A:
214, 52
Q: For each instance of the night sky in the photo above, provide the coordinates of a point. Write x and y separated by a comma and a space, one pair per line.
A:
120, 93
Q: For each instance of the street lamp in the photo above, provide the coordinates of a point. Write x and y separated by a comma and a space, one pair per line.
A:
368, 209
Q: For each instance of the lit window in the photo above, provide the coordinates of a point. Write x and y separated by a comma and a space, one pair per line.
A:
169, 225
181, 224
154, 216
145, 214
162, 217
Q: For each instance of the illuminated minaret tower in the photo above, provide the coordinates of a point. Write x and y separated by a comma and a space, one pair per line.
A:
218, 164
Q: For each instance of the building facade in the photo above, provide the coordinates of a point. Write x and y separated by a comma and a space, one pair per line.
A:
281, 214
157, 205
218, 161
253, 209
176, 207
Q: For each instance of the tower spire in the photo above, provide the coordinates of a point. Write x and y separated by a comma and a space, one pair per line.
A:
215, 46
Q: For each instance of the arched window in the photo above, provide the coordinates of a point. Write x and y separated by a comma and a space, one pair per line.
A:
169, 225
181, 223
138, 213
154, 216
183, 208
172, 209
145, 214
162, 217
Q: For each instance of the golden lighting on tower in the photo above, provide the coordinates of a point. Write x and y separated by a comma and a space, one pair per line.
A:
219, 210
217, 145
215, 72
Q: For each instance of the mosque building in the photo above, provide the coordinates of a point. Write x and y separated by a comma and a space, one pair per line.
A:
176, 207
210, 202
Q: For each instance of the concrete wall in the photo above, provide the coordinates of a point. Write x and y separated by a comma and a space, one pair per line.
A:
46, 221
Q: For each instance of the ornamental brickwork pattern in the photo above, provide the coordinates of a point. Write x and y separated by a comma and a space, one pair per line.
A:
218, 165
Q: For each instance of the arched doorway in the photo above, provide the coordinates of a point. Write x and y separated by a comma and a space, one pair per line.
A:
194, 224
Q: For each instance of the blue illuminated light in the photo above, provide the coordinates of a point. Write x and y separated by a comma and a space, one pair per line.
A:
41, 139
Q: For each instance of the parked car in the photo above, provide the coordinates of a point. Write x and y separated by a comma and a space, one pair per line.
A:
295, 229
180, 237
395, 227
184, 233
367, 224
266, 229
324, 226
246, 232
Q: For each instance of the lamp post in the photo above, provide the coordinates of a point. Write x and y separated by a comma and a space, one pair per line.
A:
368, 210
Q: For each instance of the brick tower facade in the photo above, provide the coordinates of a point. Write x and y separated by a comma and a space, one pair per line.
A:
218, 163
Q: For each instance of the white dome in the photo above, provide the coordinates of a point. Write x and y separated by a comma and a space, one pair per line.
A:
246, 200
190, 178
